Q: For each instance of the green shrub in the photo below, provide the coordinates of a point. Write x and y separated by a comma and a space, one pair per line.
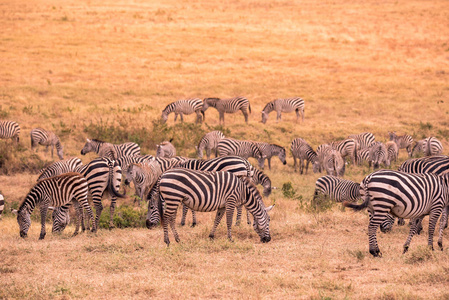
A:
125, 216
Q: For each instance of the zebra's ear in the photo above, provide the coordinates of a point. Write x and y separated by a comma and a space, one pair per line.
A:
14, 211
196, 147
88, 140
267, 209
51, 207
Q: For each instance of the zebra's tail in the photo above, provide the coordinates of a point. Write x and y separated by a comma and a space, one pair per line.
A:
249, 107
204, 115
113, 169
33, 142
359, 207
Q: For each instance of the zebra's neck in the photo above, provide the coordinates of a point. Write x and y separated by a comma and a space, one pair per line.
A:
169, 108
269, 107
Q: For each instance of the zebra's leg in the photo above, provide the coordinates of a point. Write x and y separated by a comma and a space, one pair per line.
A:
98, 209
218, 217
51, 150
182, 117
193, 218
433, 218
208, 153
297, 115
221, 117
229, 215
248, 218
239, 215
199, 119
44, 209
245, 114
294, 163
372, 229
85, 204
278, 116
176, 116
269, 163
443, 223
401, 222
111, 211
413, 228
173, 227
184, 214
307, 166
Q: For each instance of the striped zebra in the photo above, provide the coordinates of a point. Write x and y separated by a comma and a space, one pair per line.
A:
429, 146
48, 139
184, 107
364, 140
330, 160
301, 149
209, 191
9, 130
101, 174
403, 141
392, 151
120, 150
378, 155
408, 196
60, 167
55, 191
2, 205
337, 189
347, 147
245, 149
144, 175
125, 161
165, 149
363, 155
429, 164
229, 106
209, 141
284, 105
270, 150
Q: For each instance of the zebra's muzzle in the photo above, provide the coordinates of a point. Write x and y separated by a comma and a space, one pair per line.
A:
150, 224
127, 182
265, 239
23, 234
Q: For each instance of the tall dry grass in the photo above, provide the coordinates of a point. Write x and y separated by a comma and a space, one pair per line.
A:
108, 68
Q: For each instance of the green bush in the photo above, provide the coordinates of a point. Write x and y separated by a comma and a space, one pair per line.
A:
125, 216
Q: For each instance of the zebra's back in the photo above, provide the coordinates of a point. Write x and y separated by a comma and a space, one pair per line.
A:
432, 164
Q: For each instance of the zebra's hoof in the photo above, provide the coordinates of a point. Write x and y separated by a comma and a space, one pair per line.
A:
193, 225
237, 223
375, 253
405, 250
182, 223
42, 236
440, 244
211, 236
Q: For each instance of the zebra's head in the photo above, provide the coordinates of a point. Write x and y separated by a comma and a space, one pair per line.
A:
129, 174
153, 217
264, 117
164, 117
199, 151
88, 147
282, 156
60, 153
61, 218
316, 166
24, 220
262, 224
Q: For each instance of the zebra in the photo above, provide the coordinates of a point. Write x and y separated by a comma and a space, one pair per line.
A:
403, 141
55, 191
270, 150
284, 105
144, 175
101, 174
363, 155
46, 138
125, 161
165, 149
329, 160
404, 195
231, 106
209, 191
337, 189
59, 167
364, 140
392, 151
429, 146
185, 106
120, 150
301, 149
2, 205
209, 141
378, 155
10, 130
245, 149
429, 164
347, 147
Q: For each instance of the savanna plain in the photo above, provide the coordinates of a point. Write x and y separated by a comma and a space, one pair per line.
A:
106, 69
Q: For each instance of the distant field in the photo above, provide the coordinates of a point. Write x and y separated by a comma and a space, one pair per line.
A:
106, 69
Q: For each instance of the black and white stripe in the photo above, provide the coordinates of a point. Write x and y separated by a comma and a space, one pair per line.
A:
209, 142
209, 191
429, 146
363, 155
165, 149
378, 155
301, 150
46, 138
120, 150
403, 141
9, 130
228, 106
60, 167
404, 195
364, 140
245, 149
184, 107
347, 147
330, 160
125, 161
54, 191
144, 175
430, 164
2, 204
284, 105
392, 151
337, 189
270, 150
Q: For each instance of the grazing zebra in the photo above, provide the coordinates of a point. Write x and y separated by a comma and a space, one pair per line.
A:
55, 191
209, 191
284, 105
337, 189
392, 151
270, 150
429, 164
165, 149
184, 107
209, 141
2, 205
46, 138
364, 140
329, 160
363, 155
409, 196
378, 155
101, 174
228, 106
60, 167
120, 150
301, 149
403, 141
245, 149
9, 130
347, 147
429, 146
144, 175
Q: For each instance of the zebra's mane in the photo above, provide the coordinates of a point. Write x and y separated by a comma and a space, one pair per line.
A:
269, 105
97, 140
212, 99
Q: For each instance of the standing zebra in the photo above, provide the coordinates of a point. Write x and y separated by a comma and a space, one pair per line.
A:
409, 196
125, 161
120, 150
337, 189
245, 149
209, 191
363, 155
301, 149
329, 160
209, 141
284, 105
403, 141
347, 147
48, 139
60, 167
144, 175
429, 164
165, 149
2, 205
364, 140
270, 150
184, 107
230, 106
429, 146
54, 191
9, 130
378, 155
392, 151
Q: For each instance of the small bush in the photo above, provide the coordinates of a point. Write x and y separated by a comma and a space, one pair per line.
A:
125, 216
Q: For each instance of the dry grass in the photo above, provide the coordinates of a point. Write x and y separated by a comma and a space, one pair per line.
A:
359, 65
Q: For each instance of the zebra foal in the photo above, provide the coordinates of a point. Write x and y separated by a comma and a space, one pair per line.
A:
269, 150
184, 107
165, 149
9, 130
209, 142
229, 106
284, 105
48, 139
403, 141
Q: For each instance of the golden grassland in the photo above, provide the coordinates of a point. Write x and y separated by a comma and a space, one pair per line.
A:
359, 66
